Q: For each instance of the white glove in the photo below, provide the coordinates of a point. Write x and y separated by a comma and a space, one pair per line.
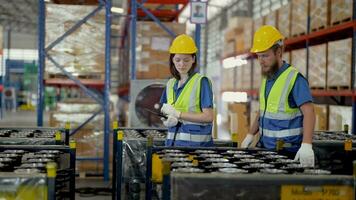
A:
247, 141
170, 121
305, 155
168, 109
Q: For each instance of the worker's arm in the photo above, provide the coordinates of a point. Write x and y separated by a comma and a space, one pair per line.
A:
308, 122
206, 116
255, 125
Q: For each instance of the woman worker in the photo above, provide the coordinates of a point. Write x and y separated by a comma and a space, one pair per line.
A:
187, 99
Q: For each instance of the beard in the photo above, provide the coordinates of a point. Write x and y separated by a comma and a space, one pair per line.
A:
273, 69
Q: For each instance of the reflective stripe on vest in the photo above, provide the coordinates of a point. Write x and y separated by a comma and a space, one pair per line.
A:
189, 137
282, 133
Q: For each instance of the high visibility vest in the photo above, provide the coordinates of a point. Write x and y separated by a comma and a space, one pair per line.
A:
278, 121
188, 133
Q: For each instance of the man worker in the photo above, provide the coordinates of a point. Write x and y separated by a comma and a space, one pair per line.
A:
286, 105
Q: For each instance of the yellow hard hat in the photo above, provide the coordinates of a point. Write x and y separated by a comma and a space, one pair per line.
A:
264, 38
183, 44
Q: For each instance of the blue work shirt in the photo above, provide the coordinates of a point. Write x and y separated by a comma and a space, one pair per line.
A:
206, 93
300, 93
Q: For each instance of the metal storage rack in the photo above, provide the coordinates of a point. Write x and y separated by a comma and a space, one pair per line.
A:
103, 100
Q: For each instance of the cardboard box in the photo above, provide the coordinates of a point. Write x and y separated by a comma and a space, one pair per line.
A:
299, 60
321, 117
257, 75
341, 10
284, 17
271, 19
299, 17
319, 14
317, 66
339, 63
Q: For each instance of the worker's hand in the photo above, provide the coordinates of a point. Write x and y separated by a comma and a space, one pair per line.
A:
168, 109
247, 141
305, 155
170, 121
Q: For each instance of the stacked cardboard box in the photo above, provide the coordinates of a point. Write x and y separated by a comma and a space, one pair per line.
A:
299, 17
299, 60
339, 116
89, 138
245, 75
318, 14
284, 15
83, 51
237, 38
341, 10
239, 119
317, 66
286, 56
152, 49
339, 63
321, 117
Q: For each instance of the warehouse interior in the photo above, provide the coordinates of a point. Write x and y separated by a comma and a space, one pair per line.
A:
82, 115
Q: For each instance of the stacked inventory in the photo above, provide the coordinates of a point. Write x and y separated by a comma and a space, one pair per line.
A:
90, 137
152, 49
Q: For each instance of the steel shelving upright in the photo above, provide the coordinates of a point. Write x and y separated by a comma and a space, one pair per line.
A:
103, 100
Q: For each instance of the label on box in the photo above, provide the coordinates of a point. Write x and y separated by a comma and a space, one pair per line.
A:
143, 68
160, 43
301, 192
145, 54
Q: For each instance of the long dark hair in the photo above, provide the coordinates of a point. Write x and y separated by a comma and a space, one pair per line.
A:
175, 72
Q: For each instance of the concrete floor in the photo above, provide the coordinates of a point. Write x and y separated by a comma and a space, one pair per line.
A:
92, 183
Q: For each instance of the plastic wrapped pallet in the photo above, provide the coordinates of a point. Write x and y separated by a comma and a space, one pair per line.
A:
152, 49
320, 117
82, 52
257, 75
339, 63
271, 19
299, 60
318, 14
317, 66
339, 116
299, 17
341, 10
284, 14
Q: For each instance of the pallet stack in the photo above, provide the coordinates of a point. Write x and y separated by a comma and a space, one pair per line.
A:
83, 52
341, 11
284, 23
152, 49
317, 66
318, 14
339, 64
299, 17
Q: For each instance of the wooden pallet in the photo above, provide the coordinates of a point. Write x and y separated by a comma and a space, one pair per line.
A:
339, 87
318, 28
298, 34
317, 88
341, 21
